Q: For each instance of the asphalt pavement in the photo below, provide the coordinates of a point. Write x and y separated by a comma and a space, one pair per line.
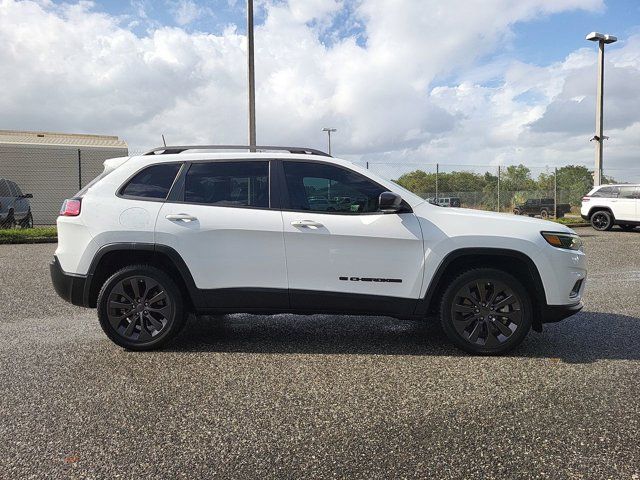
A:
289, 396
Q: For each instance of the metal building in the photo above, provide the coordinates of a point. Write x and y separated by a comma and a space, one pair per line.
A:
54, 166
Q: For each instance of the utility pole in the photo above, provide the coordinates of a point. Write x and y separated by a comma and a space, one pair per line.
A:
329, 130
555, 193
251, 78
498, 188
599, 137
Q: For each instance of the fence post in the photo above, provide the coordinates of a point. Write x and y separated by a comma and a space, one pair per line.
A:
437, 173
79, 170
498, 188
555, 193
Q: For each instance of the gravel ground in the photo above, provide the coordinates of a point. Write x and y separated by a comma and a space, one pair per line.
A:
323, 397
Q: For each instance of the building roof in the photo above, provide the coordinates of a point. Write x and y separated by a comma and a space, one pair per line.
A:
60, 139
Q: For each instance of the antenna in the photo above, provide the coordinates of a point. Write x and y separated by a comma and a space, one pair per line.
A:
165, 143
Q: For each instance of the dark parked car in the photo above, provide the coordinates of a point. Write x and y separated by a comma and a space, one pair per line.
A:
14, 206
542, 207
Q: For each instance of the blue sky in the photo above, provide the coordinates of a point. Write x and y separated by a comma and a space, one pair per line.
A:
485, 82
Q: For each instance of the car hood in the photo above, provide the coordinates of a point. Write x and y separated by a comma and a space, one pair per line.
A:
464, 221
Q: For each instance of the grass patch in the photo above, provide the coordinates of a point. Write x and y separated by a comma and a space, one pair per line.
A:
571, 221
29, 235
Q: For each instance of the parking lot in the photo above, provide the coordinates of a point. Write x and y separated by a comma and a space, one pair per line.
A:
308, 397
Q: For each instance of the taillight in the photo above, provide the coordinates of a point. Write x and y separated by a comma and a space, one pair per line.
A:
71, 207
586, 199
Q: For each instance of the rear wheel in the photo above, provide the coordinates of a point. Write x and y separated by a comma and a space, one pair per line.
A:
602, 220
10, 221
140, 308
27, 222
544, 213
486, 311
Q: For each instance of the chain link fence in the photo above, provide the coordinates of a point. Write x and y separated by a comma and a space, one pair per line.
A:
504, 188
50, 173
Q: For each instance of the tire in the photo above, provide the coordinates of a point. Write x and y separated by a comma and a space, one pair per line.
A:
471, 308
544, 213
602, 220
627, 227
516, 212
10, 221
151, 327
27, 222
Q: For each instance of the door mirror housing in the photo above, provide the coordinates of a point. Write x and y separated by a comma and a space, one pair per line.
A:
389, 202
26, 195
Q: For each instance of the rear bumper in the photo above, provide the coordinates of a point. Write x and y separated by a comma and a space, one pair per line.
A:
555, 313
70, 287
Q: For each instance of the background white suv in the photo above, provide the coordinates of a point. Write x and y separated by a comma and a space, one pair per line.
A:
609, 205
181, 230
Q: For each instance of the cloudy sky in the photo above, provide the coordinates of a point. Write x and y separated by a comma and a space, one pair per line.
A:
410, 81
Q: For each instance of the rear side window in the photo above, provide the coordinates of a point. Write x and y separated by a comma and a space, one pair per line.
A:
605, 192
228, 184
4, 189
152, 182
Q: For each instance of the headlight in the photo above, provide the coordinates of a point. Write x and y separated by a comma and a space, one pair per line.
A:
568, 241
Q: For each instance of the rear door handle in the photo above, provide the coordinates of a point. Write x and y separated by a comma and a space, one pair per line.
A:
184, 217
306, 223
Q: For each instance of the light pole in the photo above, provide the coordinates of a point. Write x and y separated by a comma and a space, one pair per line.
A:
251, 78
329, 130
599, 136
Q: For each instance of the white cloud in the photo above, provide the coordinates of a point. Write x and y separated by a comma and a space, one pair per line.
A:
187, 11
71, 68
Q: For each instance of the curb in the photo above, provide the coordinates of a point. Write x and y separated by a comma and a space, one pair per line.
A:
20, 241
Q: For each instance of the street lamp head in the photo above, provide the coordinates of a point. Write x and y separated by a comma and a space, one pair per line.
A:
601, 37
327, 129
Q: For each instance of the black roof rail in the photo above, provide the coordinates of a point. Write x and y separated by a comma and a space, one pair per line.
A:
165, 150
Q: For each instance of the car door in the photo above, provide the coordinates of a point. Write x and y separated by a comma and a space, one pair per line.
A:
626, 204
351, 259
223, 224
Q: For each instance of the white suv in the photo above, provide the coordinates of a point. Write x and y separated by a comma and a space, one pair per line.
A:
609, 205
205, 230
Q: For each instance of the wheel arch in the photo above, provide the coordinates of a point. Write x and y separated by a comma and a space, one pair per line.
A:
514, 262
596, 208
111, 258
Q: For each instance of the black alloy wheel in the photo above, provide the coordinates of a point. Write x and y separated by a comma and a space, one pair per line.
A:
486, 311
140, 308
602, 220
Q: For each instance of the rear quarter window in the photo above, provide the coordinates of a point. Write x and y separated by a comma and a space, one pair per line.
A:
153, 182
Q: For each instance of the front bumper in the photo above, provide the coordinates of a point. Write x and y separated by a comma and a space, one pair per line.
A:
555, 313
70, 287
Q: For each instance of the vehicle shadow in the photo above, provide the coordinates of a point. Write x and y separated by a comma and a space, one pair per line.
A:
583, 338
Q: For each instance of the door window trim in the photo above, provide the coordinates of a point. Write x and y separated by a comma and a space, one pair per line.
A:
286, 202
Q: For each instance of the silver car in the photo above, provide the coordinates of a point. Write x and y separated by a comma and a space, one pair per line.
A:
15, 208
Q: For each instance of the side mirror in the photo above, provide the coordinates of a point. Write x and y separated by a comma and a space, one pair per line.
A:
389, 202
27, 195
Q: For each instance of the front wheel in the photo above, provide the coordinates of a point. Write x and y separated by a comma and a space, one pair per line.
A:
544, 214
486, 311
602, 220
140, 308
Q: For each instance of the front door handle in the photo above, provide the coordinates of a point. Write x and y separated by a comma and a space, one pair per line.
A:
306, 223
184, 217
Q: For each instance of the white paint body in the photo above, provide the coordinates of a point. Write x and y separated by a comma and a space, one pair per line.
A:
227, 247
622, 208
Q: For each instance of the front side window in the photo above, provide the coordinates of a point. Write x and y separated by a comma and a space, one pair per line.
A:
330, 189
152, 182
228, 184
